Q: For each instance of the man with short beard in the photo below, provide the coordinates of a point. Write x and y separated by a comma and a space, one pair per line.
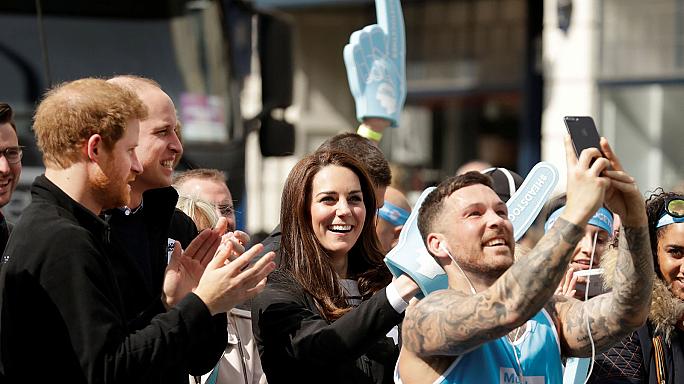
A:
59, 289
499, 321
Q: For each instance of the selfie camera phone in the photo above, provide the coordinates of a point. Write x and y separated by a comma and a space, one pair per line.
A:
595, 281
583, 133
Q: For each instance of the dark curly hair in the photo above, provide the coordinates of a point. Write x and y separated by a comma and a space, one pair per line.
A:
654, 209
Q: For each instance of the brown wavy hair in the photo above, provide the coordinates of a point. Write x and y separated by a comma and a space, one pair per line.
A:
303, 256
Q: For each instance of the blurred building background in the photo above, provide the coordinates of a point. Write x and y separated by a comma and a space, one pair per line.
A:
492, 80
487, 79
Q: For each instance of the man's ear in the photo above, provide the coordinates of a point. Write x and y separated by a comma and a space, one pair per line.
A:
436, 244
396, 231
94, 147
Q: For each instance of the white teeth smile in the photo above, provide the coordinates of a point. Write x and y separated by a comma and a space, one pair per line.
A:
340, 228
495, 242
167, 164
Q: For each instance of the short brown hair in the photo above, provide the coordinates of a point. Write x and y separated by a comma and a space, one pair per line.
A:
431, 209
199, 173
370, 156
73, 111
6, 115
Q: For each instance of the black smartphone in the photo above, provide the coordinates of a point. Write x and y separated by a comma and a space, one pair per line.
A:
583, 133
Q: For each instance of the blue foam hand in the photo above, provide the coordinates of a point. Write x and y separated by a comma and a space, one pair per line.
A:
410, 256
526, 203
375, 60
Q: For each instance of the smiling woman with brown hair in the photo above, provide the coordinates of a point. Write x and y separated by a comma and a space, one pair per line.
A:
325, 314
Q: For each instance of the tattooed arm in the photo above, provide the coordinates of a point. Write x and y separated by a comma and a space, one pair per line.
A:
614, 315
451, 323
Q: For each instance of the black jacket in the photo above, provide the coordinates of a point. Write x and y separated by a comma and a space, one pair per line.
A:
142, 236
157, 221
297, 345
5, 231
271, 244
63, 316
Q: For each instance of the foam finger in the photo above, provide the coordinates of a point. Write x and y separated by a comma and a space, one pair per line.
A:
391, 20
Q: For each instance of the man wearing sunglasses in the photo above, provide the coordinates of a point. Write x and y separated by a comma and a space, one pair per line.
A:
10, 166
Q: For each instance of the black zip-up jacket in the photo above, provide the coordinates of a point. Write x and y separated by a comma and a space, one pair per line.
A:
151, 227
297, 345
154, 223
62, 313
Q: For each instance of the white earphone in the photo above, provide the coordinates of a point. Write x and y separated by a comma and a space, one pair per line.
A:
446, 250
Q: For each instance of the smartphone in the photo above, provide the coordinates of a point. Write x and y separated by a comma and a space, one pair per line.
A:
595, 281
583, 133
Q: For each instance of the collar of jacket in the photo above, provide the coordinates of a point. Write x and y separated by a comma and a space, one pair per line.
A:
159, 206
44, 189
666, 309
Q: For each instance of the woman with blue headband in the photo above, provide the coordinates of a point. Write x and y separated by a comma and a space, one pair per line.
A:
588, 252
655, 352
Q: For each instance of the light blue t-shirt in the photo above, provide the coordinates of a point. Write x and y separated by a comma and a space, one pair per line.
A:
538, 351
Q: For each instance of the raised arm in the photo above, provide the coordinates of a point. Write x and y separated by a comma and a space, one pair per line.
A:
451, 323
448, 322
614, 315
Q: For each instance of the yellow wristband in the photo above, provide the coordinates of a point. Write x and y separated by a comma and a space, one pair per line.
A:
368, 133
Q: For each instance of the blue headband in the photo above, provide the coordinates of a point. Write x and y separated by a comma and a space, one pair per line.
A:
666, 219
603, 219
392, 214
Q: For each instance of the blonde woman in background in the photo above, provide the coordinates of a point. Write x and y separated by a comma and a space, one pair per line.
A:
240, 362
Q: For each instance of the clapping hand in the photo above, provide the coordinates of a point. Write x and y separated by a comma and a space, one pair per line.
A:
187, 266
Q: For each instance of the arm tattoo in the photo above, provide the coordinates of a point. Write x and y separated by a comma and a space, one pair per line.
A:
451, 323
614, 315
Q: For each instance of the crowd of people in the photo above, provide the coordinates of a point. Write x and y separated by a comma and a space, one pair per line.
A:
126, 272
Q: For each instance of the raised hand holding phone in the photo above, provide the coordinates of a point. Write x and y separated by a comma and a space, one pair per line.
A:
375, 61
583, 133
